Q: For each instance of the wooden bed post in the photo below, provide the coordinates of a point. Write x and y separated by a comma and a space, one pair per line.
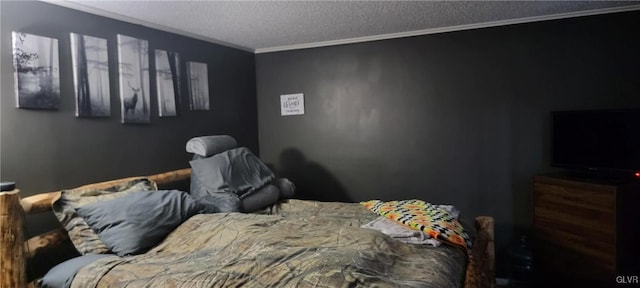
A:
12, 251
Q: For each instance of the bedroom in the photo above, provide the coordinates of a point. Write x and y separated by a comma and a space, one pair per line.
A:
458, 117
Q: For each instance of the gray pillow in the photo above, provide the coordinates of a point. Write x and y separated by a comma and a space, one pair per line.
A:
237, 171
230, 202
65, 208
206, 146
134, 223
286, 187
62, 274
264, 197
220, 202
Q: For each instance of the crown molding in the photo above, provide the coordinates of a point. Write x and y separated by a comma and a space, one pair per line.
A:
448, 29
99, 12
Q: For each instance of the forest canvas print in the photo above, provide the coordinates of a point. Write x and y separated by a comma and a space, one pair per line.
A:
133, 69
168, 81
198, 82
90, 76
37, 75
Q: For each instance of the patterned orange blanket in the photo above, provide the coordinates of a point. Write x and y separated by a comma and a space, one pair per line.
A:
422, 216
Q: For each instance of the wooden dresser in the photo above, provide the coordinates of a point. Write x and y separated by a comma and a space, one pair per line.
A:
587, 230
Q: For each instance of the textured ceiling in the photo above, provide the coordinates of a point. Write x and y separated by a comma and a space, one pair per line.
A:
263, 26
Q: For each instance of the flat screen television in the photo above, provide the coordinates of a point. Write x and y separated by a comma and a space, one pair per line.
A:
597, 140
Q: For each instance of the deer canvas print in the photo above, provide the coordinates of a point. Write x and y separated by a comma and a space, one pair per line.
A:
37, 75
198, 82
90, 76
168, 82
133, 66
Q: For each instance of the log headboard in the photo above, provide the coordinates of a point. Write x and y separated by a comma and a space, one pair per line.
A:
15, 252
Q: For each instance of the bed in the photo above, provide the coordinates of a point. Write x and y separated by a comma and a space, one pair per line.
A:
293, 243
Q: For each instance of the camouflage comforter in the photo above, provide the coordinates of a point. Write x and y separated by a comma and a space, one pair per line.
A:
300, 244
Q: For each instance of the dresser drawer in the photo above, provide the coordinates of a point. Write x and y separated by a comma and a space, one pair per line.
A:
600, 250
576, 210
577, 219
555, 261
587, 227
576, 196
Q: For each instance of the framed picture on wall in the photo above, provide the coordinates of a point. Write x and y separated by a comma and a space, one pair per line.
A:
36, 71
168, 82
90, 76
198, 83
133, 70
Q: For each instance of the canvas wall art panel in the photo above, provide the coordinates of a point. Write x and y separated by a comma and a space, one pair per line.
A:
198, 83
90, 63
168, 82
36, 71
133, 70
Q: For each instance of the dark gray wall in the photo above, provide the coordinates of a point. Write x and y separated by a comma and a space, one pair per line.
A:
459, 118
48, 150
